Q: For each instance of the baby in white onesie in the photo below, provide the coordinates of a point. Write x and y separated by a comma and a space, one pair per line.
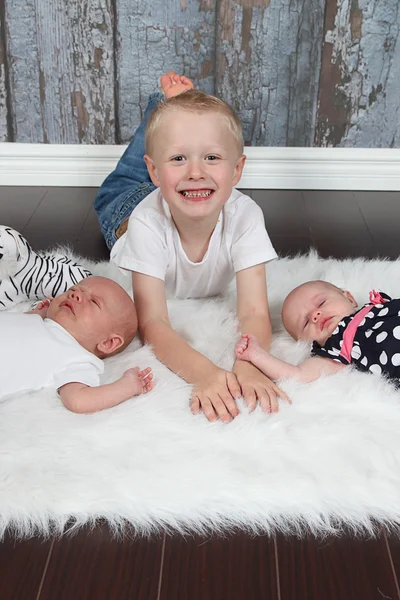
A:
60, 345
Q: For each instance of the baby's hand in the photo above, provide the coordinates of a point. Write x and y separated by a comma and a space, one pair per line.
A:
137, 381
41, 308
173, 84
247, 347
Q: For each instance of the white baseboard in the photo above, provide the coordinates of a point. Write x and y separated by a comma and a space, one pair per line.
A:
266, 167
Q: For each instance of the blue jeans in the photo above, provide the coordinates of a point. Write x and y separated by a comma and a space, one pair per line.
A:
125, 187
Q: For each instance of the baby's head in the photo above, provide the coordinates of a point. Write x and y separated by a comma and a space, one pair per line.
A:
98, 313
194, 152
312, 311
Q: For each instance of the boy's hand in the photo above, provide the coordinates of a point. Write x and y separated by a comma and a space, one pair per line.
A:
215, 396
137, 381
256, 386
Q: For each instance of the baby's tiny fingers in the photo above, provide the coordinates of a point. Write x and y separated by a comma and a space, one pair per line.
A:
147, 386
145, 373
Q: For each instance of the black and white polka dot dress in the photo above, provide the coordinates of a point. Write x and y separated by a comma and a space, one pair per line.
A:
376, 343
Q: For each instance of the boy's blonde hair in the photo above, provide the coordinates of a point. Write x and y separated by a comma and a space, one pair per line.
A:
198, 102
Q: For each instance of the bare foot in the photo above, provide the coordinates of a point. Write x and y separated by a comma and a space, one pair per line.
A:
247, 347
173, 84
140, 382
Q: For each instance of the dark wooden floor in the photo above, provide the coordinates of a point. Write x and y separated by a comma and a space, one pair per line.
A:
94, 566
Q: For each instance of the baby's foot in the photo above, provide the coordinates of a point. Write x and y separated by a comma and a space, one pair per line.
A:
173, 84
139, 382
29, 275
247, 347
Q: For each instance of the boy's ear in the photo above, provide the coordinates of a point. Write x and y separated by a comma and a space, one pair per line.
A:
350, 297
151, 167
111, 344
238, 170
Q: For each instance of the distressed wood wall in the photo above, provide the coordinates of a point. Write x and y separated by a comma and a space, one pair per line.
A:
298, 72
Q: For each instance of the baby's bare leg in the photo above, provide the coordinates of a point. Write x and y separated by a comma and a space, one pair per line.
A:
249, 349
173, 84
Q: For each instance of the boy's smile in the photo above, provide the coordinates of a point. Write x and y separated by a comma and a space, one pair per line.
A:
196, 161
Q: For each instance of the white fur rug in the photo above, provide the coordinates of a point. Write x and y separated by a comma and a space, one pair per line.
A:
332, 457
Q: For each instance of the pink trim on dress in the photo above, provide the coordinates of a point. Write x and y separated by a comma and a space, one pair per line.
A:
350, 331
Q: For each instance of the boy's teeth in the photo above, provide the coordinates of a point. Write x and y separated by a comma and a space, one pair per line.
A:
199, 194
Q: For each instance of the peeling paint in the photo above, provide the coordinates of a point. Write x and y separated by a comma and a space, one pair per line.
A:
374, 94
356, 19
207, 5
294, 78
254, 3
78, 102
359, 101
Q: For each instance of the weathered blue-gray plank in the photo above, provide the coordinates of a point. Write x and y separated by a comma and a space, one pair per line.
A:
153, 37
3, 87
268, 67
360, 81
60, 57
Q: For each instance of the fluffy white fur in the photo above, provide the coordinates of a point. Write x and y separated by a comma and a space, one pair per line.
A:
332, 457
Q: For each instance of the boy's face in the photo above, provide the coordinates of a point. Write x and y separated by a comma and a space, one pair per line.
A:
313, 310
196, 162
92, 312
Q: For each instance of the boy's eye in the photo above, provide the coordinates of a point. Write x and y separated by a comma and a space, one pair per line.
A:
212, 157
322, 302
306, 323
95, 302
178, 158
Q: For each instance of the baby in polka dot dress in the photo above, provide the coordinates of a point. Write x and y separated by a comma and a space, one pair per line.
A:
342, 334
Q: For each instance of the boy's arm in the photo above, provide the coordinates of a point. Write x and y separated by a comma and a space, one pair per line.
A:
81, 398
215, 389
253, 315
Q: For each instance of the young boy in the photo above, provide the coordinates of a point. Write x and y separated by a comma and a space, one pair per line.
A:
321, 313
191, 236
61, 342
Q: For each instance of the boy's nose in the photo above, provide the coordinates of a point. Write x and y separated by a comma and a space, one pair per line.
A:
196, 171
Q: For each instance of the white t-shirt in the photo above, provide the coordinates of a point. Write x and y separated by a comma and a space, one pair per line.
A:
37, 353
152, 246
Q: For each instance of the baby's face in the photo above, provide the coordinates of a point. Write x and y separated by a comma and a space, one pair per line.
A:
196, 161
312, 311
93, 312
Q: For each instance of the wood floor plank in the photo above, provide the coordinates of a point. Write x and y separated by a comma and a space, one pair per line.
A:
393, 544
290, 245
337, 225
235, 568
284, 212
341, 568
381, 212
17, 205
94, 566
60, 217
22, 565
91, 242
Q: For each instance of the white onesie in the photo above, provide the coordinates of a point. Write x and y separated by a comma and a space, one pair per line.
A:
152, 246
37, 353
